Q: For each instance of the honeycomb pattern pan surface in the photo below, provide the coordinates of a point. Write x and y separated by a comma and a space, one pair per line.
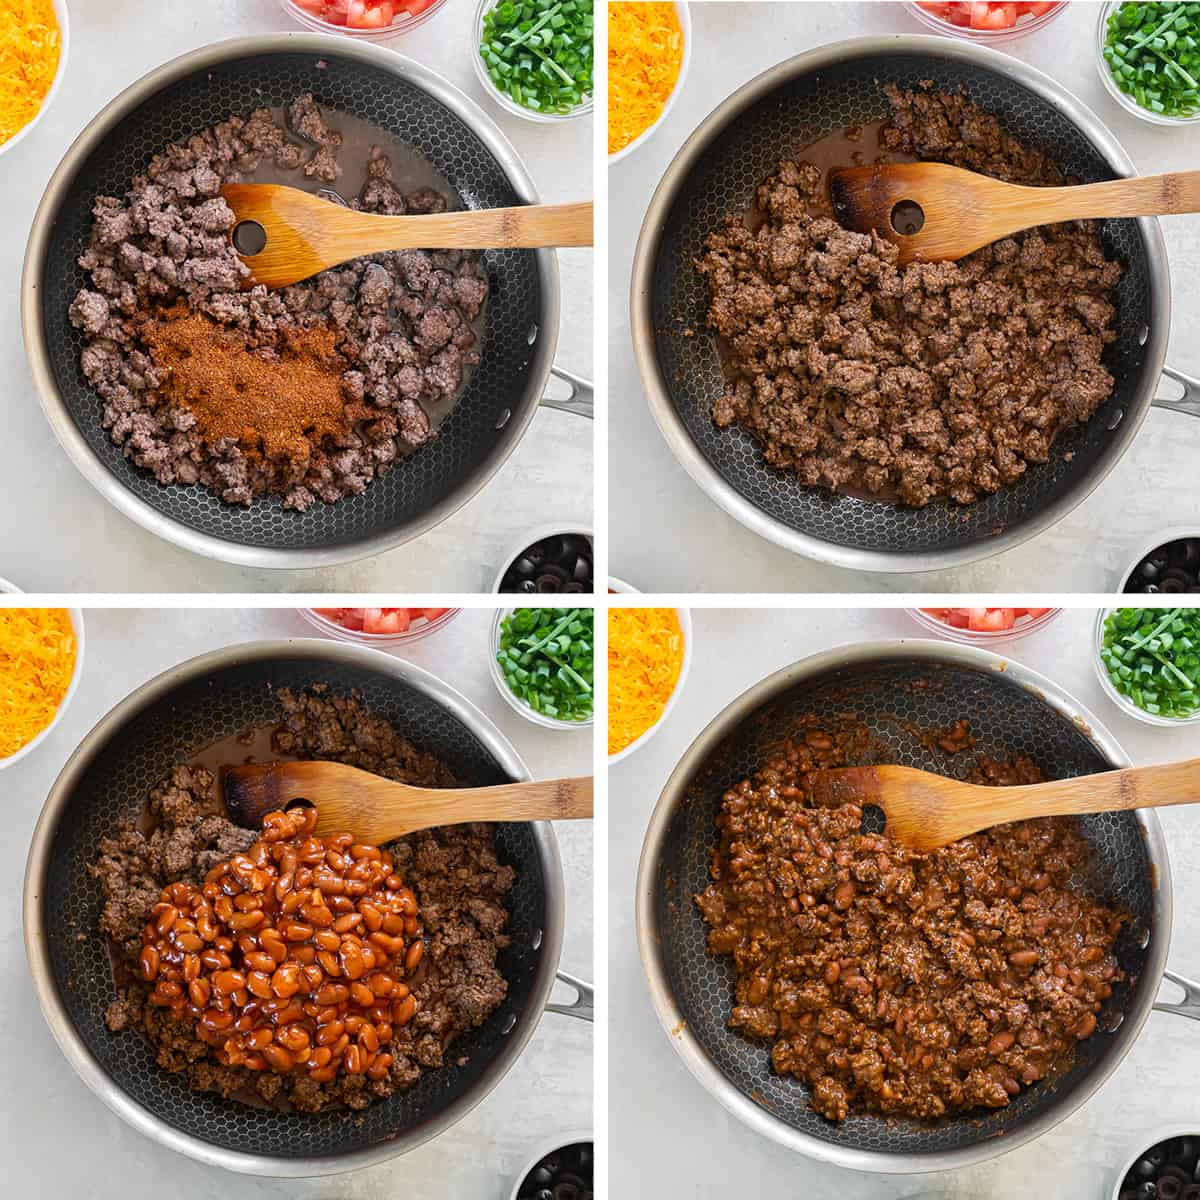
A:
502, 394
891, 699
810, 106
116, 783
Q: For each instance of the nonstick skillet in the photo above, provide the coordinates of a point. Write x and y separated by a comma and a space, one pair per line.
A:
416, 107
892, 687
166, 721
775, 116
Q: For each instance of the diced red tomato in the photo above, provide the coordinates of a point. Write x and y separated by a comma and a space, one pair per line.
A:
984, 620
388, 621
362, 14
986, 15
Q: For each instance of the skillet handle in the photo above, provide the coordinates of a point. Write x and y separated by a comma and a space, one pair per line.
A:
581, 398
583, 1006
1189, 1006
1189, 402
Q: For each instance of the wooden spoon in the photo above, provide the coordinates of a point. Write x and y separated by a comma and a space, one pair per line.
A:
376, 810
962, 211
299, 234
925, 811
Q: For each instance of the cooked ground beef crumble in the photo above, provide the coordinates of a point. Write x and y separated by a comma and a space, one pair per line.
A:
460, 884
908, 383
402, 320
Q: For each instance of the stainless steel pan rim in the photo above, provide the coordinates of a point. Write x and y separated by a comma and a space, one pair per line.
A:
658, 395
68, 434
93, 1073
673, 1018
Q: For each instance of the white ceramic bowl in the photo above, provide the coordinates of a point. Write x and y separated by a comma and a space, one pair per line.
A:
10, 588
60, 11
1123, 702
546, 1147
531, 539
685, 24
1148, 1141
685, 624
1176, 533
77, 623
621, 588
506, 102
501, 683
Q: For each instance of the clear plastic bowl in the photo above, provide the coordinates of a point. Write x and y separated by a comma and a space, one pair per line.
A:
986, 37
415, 632
1123, 702
501, 683
507, 102
1128, 103
984, 637
402, 23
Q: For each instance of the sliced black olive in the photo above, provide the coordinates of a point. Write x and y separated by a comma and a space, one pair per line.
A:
1180, 574
526, 585
1160, 558
1191, 553
583, 569
524, 567
573, 1179
1145, 1168
1185, 1149
543, 1175
552, 1163
1171, 586
1169, 1187
1174, 1171
543, 1194
1148, 570
1151, 589
1192, 1191
547, 584
1147, 1190
585, 1157
566, 1191
536, 553
572, 588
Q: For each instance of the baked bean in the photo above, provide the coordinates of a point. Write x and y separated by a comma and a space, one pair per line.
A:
255, 956
1024, 958
1000, 1043
1086, 1027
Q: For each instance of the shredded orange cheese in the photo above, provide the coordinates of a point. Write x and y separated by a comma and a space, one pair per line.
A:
645, 656
645, 52
30, 44
37, 659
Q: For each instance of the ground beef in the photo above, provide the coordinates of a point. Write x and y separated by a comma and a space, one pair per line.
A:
166, 242
460, 884
908, 383
891, 982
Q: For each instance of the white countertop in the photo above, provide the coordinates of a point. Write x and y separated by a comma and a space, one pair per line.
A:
668, 536
668, 1137
58, 1139
58, 535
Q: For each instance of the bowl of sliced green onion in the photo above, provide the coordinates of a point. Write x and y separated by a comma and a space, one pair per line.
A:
1148, 660
534, 57
543, 664
1148, 56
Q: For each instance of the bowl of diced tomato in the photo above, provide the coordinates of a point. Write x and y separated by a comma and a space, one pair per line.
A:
379, 626
367, 19
984, 20
983, 625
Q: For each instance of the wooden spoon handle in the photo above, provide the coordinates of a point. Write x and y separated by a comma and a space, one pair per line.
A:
347, 234
1145, 196
542, 800
1115, 791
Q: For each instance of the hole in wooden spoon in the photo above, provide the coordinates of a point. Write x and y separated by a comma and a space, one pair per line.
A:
299, 802
908, 217
249, 237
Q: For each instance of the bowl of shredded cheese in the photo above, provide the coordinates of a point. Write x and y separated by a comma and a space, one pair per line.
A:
649, 652
33, 58
41, 660
649, 52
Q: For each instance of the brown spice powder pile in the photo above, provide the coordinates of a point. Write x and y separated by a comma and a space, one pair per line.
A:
276, 404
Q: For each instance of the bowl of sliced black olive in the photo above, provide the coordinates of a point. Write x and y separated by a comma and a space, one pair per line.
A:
1169, 566
550, 561
1167, 1170
561, 1171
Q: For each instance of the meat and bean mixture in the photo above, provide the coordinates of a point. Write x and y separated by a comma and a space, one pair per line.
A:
274, 967
896, 983
908, 384
393, 332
